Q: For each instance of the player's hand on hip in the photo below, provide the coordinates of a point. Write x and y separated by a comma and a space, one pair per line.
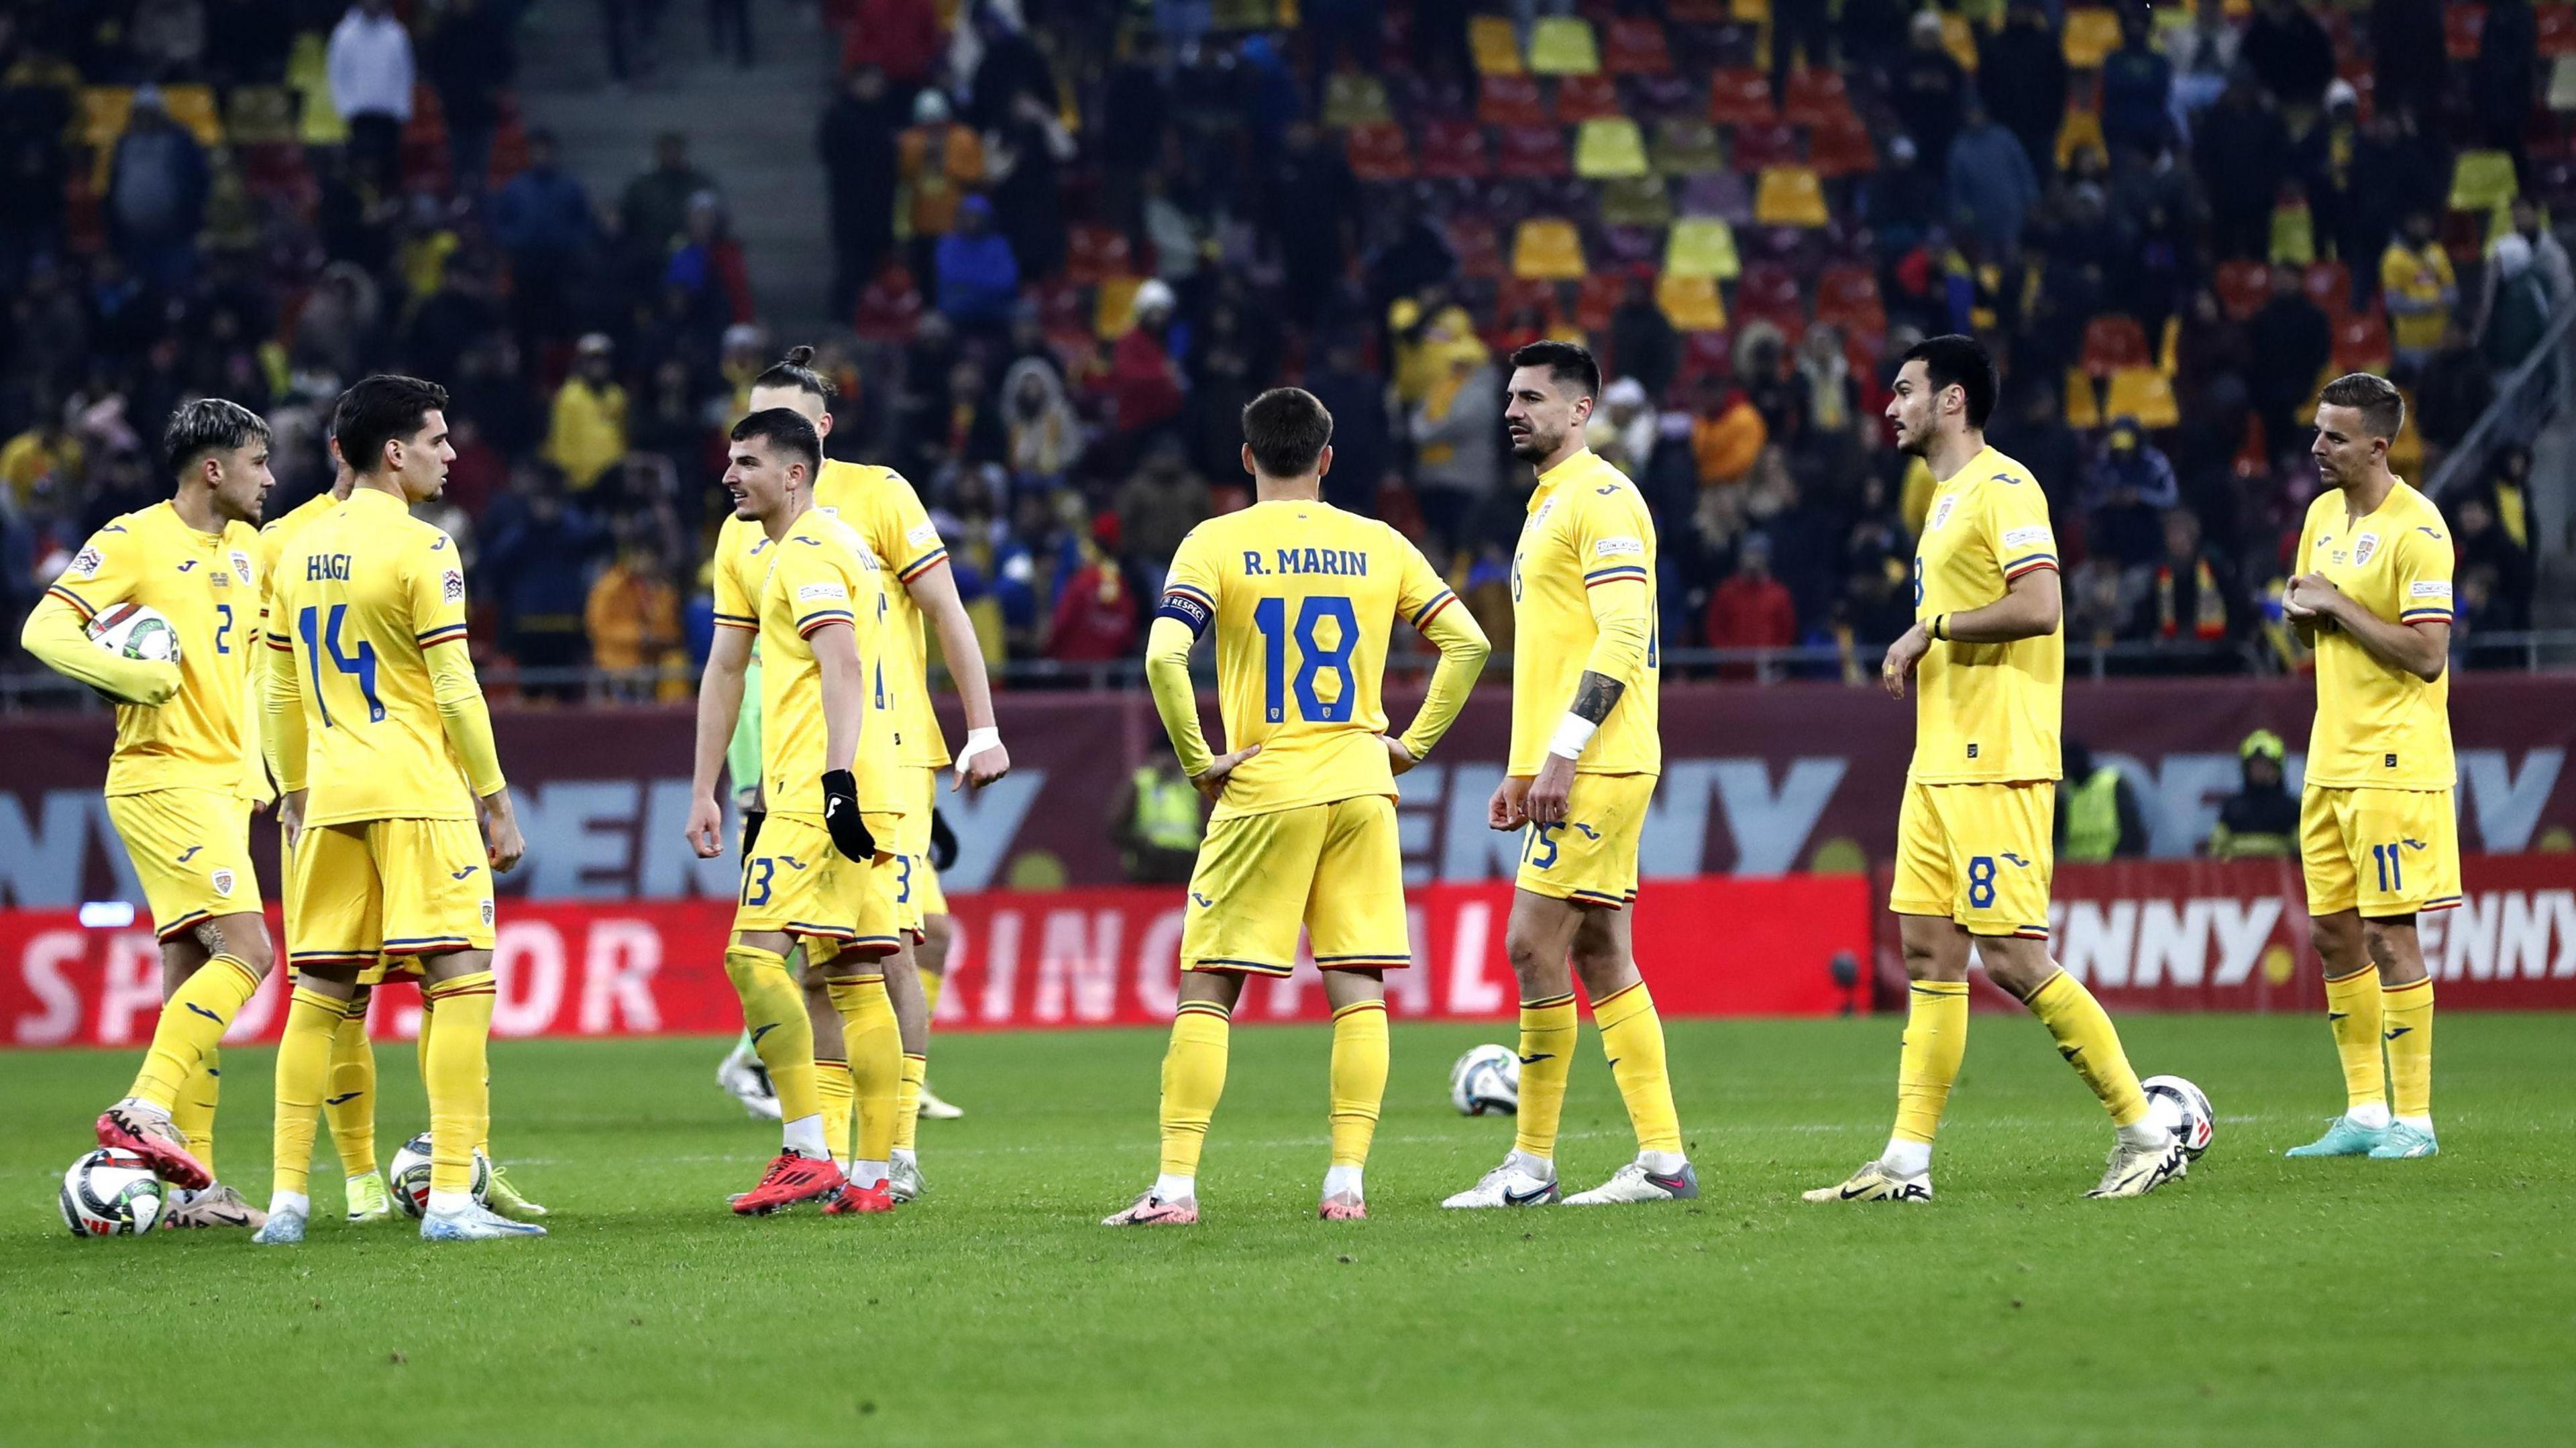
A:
706, 828
1902, 656
1398, 758
980, 763
841, 817
290, 815
1508, 809
1545, 802
1211, 781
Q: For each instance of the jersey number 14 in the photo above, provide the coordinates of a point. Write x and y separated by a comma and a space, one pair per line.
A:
320, 638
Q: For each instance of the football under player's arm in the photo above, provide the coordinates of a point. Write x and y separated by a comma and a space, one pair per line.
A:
57, 634
1463, 648
1167, 675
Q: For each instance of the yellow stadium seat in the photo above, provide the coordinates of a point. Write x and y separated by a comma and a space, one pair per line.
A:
103, 113
1690, 303
193, 106
1609, 150
2145, 394
2482, 181
1547, 249
260, 115
1564, 45
1113, 307
1496, 48
1789, 196
2083, 409
2080, 131
1353, 98
2092, 32
1702, 246
1959, 40
308, 72
1752, 12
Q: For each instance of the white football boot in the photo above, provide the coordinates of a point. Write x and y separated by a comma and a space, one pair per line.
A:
2134, 1171
1876, 1181
1508, 1185
1634, 1183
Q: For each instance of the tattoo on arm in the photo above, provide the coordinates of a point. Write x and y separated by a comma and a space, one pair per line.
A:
1595, 696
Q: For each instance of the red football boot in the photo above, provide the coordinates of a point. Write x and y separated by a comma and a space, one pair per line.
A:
160, 1144
791, 1179
855, 1198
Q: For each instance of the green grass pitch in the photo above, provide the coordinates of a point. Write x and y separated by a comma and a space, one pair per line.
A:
2259, 1301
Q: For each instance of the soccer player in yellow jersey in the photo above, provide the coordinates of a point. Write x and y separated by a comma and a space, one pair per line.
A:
1302, 597
882, 508
1987, 653
185, 775
1584, 757
817, 874
372, 706
2377, 837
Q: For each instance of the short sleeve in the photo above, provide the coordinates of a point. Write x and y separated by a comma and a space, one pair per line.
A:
102, 573
2424, 564
904, 538
1421, 592
735, 606
1610, 539
437, 587
820, 582
2015, 514
1192, 588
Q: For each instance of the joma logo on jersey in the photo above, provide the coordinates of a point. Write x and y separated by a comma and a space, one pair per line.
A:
331, 566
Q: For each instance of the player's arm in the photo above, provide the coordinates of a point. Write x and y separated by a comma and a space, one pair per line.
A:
845, 701
933, 586
284, 742
1610, 547
1187, 611
2012, 516
720, 689
56, 632
2419, 642
1463, 649
437, 595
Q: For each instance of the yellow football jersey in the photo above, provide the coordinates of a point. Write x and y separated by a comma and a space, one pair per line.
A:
1583, 598
2378, 726
818, 573
1302, 596
882, 508
1985, 712
366, 591
208, 586
274, 538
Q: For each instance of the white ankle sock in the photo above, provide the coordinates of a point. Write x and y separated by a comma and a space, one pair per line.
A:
442, 1202
1169, 1188
141, 1107
805, 1137
1541, 1167
296, 1202
906, 1156
868, 1173
2369, 1116
2142, 1134
1906, 1158
1339, 1179
1662, 1163
2420, 1123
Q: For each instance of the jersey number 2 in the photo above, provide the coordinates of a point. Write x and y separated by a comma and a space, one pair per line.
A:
318, 638
1271, 617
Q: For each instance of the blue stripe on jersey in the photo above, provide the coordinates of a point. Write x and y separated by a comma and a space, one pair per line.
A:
920, 565
805, 626
1423, 614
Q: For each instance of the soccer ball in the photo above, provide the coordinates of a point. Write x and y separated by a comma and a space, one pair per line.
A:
408, 1175
136, 632
2180, 1107
1486, 1082
111, 1193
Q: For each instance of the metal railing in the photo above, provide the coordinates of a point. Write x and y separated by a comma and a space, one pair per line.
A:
2526, 399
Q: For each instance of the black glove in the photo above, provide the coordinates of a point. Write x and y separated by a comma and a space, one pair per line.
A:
841, 816
943, 842
751, 822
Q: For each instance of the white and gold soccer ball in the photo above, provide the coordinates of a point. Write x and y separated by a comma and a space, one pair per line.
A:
1486, 1082
2183, 1109
136, 632
111, 1193
408, 1175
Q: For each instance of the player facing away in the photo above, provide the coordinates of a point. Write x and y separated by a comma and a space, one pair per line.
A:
880, 507
185, 775
1987, 653
815, 874
1584, 758
372, 706
1302, 597
2378, 841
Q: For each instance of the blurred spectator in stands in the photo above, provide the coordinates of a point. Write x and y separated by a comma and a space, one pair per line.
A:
542, 219
2203, 55
1727, 434
156, 194
2485, 543
488, 388
1458, 436
857, 142
536, 546
1144, 384
1157, 818
2021, 76
2548, 262
586, 431
1992, 185
1804, 28
2410, 53
371, 75
1830, 421
1042, 437
2242, 154
1363, 446
2128, 492
1313, 208
1928, 87
1135, 114
709, 267
1622, 430
1011, 68
2292, 340
903, 38
2098, 819
452, 320
471, 63
974, 434
2406, 168
979, 278
1751, 609
2137, 89
1024, 157
632, 617
2516, 307
1806, 539
1642, 340
2323, 161
2260, 821
1095, 613
655, 208
2416, 281
2290, 54
2500, 78
2097, 603
937, 159
1901, 201
1157, 507
2034, 433
2192, 595
2451, 394
2508, 487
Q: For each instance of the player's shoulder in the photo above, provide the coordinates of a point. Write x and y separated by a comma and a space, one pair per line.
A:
2320, 506
141, 525
2003, 470
2419, 511
855, 487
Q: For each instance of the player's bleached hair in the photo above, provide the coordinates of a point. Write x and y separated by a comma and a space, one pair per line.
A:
1566, 362
1287, 429
379, 410
796, 370
209, 424
784, 430
2381, 405
1958, 361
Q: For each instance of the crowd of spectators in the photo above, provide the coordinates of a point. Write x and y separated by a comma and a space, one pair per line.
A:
1071, 238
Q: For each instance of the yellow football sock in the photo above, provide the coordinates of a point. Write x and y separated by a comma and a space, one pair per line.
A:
303, 1070
1547, 1058
773, 1009
194, 1112
1193, 1082
907, 1100
2353, 1013
875, 1046
1632, 1037
2408, 1012
832, 1082
2086, 1039
931, 982
1358, 1079
1936, 1041
458, 1078
192, 1021
351, 1106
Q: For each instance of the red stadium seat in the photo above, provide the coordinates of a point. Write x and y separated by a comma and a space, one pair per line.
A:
1706, 354
888, 307
1597, 296
2243, 287
1095, 253
2112, 342
1757, 147
2461, 25
1514, 295
2329, 285
1813, 96
1847, 296
1740, 97
1379, 153
1507, 100
1453, 150
1635, 45
1532, 153
1770, 294
2361, 343
1582, 98
1842, 148
2557, 24
1479, 251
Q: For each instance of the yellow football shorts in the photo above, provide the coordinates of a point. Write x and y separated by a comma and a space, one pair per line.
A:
396, 888
2384, 852
191, 850
293, 893
1590, 859
1337, 869
927, 897
799, 884
1979, 854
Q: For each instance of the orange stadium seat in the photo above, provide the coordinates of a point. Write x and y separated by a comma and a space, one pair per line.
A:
1563, 45
2361, 343
2092, 33
193, 106
1759, 146
1635, 46
1494, 45
2145, 394
2461, 26
1379, 152
1113, 307
1790, 196
1453, 151
1094, 253
1588, 98
1813, 96
1690, 303
260, 115
2113, 341
1740, 97
2243, 287
2083, 403
103, 110
1609, 150
1531, 153
1511, 100
1547, 248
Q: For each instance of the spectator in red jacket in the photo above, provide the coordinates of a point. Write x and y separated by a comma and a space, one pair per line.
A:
1095, 616
1752, 609
900, 37
1144, 386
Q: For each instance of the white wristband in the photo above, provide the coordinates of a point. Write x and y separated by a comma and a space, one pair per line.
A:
1572, 733
977, 741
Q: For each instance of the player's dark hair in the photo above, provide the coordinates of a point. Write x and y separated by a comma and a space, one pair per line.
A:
379, 410
1566, 362
786, 431
2381, 405
1286, 428
209, 424
796, 370
1952, 360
